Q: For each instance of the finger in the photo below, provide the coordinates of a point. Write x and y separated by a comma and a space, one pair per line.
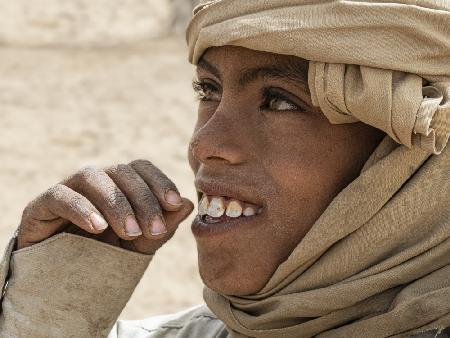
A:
144, 203
162, 187
56, 207
173, 219
101, 190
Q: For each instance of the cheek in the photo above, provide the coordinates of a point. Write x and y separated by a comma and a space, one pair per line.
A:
294, 158
304, 191
308, 171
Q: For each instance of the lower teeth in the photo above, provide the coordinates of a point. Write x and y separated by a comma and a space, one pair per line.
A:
210, 219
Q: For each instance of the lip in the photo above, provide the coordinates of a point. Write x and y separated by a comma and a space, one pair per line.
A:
233, 227
234, 191
206, 230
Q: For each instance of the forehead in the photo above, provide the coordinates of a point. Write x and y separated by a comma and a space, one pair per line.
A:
250, 64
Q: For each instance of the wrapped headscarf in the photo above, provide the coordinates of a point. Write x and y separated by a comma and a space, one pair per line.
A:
377, 261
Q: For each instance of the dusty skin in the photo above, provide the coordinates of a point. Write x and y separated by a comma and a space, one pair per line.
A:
258, 132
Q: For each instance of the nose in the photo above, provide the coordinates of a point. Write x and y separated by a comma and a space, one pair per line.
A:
221, 140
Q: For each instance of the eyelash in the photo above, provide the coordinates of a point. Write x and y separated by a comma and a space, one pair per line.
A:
270, 93
201, 87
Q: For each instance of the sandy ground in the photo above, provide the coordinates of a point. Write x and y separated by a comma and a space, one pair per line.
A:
62, 109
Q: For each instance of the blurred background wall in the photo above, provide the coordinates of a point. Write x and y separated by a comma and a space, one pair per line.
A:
90, 23
99, 82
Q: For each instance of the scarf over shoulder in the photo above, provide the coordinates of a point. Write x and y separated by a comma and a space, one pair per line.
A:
377, 261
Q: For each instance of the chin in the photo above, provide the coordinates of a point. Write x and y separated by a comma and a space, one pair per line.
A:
231, 278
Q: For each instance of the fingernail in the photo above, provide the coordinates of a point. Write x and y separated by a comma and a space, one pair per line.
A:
157, 227
132, 227
173, 198
98, 222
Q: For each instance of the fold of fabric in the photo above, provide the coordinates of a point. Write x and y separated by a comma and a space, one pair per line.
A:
377, 261
395, 102
375, 264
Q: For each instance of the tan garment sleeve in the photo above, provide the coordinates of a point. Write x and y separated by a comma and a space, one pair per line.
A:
66, 286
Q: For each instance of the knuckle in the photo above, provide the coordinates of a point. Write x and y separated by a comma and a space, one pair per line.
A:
110, 169
86, 172
54, 193
146, 197
159, 180
150, 202
126, 170
123, 171
116, 200
142, 163
162, 184
115, 169
123, 167
44, 198
168, 184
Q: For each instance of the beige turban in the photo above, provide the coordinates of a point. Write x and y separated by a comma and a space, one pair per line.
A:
383, 63
377, 261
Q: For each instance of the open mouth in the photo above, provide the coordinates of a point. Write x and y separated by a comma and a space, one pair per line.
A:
220, 215
219, 209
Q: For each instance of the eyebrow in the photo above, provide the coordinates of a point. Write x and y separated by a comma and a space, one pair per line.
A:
295, 72
202, 63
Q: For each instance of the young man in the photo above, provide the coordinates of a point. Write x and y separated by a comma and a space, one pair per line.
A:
323, 187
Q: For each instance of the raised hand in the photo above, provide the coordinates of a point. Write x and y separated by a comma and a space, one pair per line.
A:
134, 206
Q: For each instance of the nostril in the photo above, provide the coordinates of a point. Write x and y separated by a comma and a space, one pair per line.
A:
210, 149
215, 158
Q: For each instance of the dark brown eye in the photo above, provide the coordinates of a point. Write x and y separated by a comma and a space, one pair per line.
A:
205, 91
274, 100
280, 104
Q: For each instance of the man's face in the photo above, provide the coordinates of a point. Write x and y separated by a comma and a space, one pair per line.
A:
259, 142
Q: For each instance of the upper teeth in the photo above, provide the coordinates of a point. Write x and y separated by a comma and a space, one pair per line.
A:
216, 207
249, 211
233, 208
203, 206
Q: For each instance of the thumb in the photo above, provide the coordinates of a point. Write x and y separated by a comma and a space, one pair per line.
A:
174, 218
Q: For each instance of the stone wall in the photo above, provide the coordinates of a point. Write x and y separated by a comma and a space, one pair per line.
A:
84, 23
